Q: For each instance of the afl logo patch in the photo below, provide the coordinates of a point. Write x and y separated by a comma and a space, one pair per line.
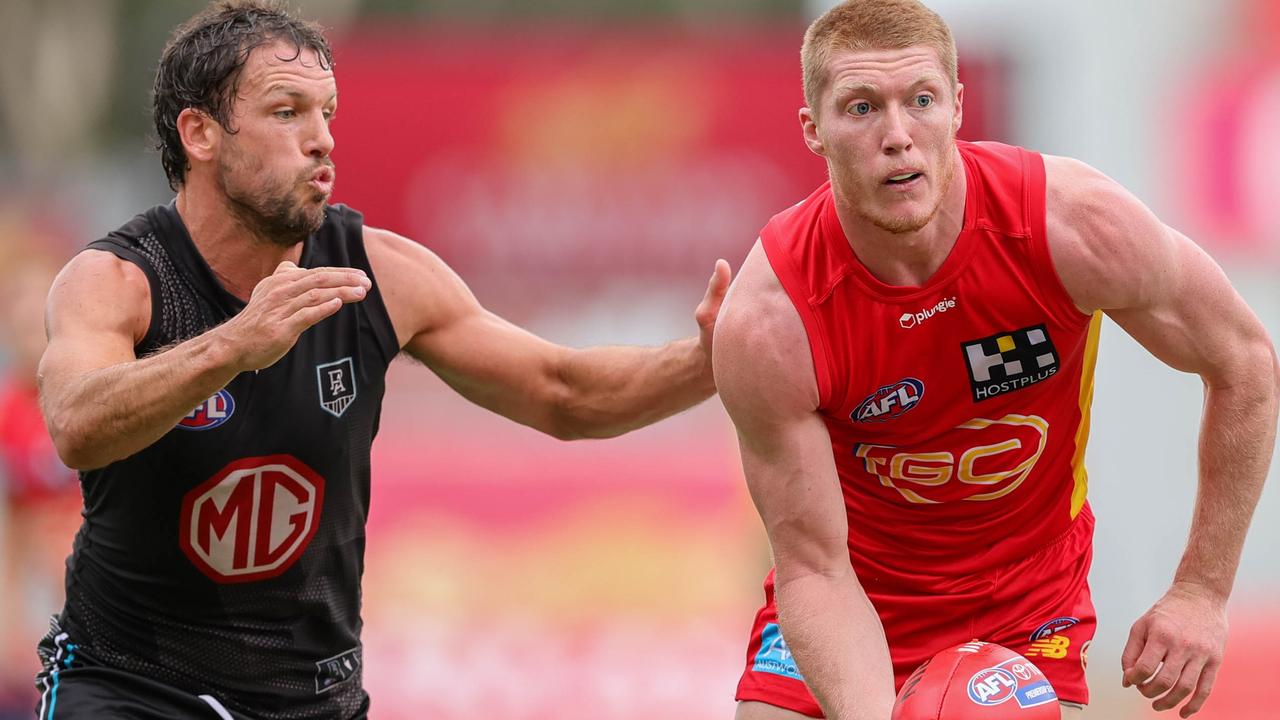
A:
211, 413
889, 402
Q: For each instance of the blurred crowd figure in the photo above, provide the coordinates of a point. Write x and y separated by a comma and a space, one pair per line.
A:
39, 496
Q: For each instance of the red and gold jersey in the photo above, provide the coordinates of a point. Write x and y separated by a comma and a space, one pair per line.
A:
958, 410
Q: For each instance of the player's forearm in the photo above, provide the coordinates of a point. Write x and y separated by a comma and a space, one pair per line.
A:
838, 643
1236, 440
111, 413
613, 390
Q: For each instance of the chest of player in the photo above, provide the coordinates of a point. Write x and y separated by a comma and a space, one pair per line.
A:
909, 364
324, 389
956, 390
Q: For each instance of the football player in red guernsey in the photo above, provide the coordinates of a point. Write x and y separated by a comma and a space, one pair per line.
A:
908, 357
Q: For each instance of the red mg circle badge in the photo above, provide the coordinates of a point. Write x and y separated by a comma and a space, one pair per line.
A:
253, 519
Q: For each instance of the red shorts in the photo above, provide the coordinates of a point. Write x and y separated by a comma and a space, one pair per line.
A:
1039, 606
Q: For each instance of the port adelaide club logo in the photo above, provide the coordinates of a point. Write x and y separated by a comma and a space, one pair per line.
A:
336, 382
1009, 361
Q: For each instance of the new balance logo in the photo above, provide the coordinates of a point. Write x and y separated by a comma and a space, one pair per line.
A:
1053, 647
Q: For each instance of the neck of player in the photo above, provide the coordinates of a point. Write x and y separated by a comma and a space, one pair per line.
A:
238, 257
907, 259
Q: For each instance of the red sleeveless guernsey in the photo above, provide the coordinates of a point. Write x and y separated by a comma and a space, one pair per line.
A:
958, 410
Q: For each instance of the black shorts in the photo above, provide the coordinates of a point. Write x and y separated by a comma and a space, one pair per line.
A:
72, 688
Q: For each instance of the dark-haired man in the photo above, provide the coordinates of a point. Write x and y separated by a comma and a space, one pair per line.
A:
217, 571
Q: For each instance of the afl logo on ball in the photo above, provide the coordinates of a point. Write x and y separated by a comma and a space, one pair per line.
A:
992, 686
253, 519
211, 413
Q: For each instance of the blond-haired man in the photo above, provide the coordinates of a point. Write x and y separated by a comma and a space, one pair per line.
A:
908, 357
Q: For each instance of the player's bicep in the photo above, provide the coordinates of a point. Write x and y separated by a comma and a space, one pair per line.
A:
98, 309
792, 478
440, 323
1113, 254
1193, 319
495, 364
765, 378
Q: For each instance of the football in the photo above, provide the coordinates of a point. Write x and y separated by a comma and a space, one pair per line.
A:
977, 681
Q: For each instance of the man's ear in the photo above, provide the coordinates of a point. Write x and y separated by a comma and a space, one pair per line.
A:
200, 135
809, 124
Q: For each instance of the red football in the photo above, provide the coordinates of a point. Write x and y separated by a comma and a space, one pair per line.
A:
977, 681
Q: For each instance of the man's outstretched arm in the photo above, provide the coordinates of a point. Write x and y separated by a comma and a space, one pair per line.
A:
766, 380
1169, 295
565, 392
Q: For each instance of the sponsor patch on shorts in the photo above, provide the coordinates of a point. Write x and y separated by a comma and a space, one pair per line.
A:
1053, 627
774, 656
336, 670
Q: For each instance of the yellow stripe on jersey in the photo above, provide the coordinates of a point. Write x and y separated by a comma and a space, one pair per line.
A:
1081, 490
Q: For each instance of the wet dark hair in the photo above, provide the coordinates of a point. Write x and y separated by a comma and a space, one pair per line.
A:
201, 66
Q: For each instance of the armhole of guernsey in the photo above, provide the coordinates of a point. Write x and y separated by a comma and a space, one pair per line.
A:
1065, 308
1046, 273
374, 307
792, 282
130, 255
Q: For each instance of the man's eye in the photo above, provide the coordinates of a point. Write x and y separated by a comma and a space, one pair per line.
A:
285, 114
923, 101
861, 108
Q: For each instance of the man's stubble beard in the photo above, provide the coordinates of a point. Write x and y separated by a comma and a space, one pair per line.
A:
910, 224
272, 214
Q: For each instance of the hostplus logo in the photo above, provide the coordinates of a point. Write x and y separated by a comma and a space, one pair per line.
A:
910, 320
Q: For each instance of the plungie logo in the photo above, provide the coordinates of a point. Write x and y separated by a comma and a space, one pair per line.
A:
211, 413
910, 320
889, 401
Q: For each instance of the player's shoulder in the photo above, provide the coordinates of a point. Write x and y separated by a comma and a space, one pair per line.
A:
756, 298
97, 268
801, 214
761, 349
96, 286
1099, 234
1078, 193
396, 253
419, 289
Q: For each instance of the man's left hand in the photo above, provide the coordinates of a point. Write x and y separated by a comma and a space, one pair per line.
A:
1183, 636
709, 308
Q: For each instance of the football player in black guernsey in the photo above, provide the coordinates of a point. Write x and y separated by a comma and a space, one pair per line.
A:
217, 570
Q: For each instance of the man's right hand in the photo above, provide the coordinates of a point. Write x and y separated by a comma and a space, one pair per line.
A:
283, 305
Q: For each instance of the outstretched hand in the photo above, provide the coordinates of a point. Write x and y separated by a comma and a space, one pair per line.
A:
1183, 635
709, 308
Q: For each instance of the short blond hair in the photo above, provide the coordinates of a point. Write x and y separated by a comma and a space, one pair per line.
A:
859, 25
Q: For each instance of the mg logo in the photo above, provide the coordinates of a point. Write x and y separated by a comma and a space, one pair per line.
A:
252, 519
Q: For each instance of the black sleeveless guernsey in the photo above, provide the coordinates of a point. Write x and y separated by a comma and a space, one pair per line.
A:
225, 559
